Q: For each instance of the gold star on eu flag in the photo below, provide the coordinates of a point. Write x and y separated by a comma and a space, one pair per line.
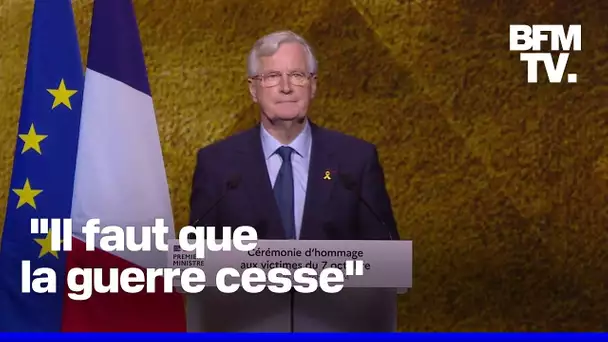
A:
27, 195
45, 246
62, 95
31, 140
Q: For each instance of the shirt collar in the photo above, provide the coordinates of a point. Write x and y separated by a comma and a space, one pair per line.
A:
301, 144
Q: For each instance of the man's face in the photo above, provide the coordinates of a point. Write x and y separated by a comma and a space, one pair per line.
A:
286, 90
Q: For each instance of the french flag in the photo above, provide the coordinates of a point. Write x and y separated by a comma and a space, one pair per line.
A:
120, 178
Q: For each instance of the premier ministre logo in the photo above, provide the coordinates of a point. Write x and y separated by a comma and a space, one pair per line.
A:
559, 39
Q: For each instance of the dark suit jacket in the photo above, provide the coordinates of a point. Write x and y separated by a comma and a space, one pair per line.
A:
331, 210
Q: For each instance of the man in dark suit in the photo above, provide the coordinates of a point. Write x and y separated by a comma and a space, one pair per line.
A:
322, 190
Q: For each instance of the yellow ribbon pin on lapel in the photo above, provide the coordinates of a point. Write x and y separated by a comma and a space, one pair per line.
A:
327, 175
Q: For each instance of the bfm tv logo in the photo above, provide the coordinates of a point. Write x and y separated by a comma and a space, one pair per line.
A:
526, 38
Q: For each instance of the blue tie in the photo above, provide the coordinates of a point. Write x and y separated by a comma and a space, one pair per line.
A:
283, 192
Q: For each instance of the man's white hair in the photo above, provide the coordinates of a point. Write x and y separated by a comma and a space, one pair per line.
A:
269, 44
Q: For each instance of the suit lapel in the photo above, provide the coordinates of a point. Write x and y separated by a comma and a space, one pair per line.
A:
258, 187
322, 175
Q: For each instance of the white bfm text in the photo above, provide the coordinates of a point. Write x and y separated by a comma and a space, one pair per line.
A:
526, 38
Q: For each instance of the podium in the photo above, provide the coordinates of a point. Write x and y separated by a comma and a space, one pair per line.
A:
366, 303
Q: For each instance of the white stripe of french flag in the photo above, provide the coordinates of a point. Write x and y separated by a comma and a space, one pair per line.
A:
120, 177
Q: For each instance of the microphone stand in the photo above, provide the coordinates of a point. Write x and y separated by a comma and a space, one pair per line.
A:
231, 184
351, 185
291, 309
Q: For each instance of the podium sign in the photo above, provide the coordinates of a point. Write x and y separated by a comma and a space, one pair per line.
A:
386, 264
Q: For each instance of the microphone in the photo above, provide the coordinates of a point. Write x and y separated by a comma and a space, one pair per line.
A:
231, 184
350, 184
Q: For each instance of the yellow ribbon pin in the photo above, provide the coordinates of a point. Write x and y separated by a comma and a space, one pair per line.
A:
327, 175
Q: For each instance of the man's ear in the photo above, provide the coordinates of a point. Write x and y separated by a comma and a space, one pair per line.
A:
313, 86
253, 90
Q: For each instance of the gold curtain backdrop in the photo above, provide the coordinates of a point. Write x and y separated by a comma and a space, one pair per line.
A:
501, 185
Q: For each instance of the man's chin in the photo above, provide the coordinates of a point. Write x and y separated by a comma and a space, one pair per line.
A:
289, 117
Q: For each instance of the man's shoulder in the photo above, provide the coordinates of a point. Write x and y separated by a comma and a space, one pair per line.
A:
229, 144
343, 140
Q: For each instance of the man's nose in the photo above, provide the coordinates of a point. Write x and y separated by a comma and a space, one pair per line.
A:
285, 85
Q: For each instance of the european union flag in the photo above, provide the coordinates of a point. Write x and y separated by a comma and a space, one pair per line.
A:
44, 165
